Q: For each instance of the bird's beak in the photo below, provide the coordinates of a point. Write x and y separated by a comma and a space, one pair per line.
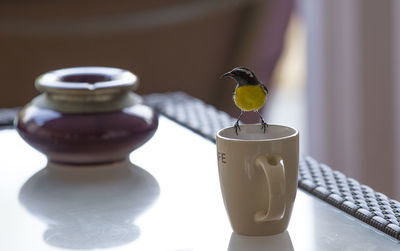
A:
228, 74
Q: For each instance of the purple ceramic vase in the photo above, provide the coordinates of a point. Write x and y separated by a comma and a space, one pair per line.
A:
86, 115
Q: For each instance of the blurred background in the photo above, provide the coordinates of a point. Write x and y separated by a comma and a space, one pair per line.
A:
331, 66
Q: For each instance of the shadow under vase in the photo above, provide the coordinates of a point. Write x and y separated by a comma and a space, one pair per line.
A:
88, 207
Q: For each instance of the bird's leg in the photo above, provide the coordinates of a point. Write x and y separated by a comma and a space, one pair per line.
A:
237, 123
263, 124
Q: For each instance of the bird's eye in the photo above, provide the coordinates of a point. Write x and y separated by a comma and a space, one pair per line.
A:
246, 72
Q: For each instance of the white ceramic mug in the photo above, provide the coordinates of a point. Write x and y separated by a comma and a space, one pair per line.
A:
258, 175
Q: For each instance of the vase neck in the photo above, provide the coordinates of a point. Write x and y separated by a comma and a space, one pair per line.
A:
86, 103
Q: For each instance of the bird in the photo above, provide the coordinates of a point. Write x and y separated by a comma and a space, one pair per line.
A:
249, 95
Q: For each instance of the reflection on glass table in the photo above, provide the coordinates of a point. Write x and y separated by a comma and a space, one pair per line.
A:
89, 207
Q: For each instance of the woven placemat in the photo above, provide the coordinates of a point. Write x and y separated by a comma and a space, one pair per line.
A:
7, 116
358, 200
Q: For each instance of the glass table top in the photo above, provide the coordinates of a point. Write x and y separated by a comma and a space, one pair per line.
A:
166, 198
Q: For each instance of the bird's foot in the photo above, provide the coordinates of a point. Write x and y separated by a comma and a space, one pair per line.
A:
264, 125
237, 127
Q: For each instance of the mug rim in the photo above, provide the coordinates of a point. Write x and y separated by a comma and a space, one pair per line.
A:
293, 134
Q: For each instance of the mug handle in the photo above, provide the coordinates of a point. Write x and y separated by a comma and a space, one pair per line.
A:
274, 171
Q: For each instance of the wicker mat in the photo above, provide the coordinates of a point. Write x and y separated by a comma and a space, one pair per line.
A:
358, 200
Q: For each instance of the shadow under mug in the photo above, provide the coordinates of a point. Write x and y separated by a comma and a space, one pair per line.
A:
280, 242
258, 177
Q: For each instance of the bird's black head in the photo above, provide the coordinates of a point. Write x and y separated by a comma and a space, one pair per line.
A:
242, 75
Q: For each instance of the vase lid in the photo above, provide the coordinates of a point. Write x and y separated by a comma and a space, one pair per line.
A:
87, 80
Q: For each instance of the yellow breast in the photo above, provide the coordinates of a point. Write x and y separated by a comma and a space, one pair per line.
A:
249, 97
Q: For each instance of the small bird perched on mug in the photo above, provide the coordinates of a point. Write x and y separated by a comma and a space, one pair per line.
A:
249, 95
